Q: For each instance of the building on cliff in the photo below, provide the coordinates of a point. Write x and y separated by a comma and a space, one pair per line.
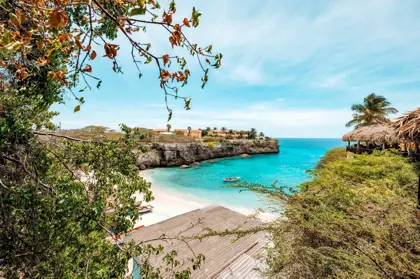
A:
163, 131
196, 134
234, 134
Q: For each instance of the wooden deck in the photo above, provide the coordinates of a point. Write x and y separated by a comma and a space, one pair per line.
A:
225, 258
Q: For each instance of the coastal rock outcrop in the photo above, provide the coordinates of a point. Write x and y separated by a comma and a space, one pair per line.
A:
178, 154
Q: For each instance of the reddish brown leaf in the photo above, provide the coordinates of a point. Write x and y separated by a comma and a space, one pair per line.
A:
58, 18
78, 43
93, 55
165, 59
42, 61
110, 50
40, 45
186, 22
177, 27
167, 18
88, 69
63, 37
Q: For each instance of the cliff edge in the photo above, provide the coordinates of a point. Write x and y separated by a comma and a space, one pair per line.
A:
177, 154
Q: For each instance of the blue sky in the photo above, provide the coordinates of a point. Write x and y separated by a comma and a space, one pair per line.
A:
290, 68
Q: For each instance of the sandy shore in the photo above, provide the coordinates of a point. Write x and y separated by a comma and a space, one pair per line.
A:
169, 203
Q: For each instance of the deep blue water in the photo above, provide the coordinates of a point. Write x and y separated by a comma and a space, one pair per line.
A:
287, 168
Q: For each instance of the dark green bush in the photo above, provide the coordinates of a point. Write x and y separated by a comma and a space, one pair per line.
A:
357, 218
332, 156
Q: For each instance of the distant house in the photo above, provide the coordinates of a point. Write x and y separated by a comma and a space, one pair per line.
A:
237, 134
193, 133
219, 133
163, 132
234, 134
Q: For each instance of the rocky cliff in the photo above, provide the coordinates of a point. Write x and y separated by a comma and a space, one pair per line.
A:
177, 154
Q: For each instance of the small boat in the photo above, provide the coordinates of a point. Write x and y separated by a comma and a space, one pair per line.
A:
145, 209
231, 179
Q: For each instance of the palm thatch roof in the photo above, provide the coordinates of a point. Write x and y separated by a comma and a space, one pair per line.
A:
378, 133
408, 126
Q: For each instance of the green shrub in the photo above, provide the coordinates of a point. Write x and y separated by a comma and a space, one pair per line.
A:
332, 156
143, 148
355, 219
211, 144
214, 139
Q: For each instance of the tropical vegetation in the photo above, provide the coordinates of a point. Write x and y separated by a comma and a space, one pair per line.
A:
356, 218
55, 189
374, 110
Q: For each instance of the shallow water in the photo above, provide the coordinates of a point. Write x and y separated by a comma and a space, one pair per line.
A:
287, 168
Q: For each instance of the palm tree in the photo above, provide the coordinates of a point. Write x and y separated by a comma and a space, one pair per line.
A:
189, 130
214, 128
374, 110
169, 127
223, 129
252, 134
208, 129
261, 135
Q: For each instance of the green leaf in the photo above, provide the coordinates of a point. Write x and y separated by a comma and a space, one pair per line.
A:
138, 11
99, 84
83, 89
6, 37
187, 103
12, 46
149, 59
170, 116
77, 108
140, 75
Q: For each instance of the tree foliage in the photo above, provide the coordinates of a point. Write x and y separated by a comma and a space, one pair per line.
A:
355, 219
332, 156
61, 197
374, 110
36, 34
252, 134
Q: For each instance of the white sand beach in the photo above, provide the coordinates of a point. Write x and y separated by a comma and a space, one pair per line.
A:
169, 203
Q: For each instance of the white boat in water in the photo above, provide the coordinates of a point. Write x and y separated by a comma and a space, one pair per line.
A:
231, 179
145, 209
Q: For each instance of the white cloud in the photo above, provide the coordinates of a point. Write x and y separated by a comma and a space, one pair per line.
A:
352, 47
284, 42
264, 117
322, 39
272, 121
333, 81
258, 106
248, 74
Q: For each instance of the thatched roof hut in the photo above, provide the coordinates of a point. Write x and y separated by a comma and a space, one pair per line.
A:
408, 126
378, 134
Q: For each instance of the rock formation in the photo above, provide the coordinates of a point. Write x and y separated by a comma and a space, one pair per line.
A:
177, 154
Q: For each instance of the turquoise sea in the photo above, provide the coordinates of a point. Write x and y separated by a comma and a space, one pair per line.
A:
287, 168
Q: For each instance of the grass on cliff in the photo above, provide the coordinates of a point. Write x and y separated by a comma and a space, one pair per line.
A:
139, 134
356, 218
